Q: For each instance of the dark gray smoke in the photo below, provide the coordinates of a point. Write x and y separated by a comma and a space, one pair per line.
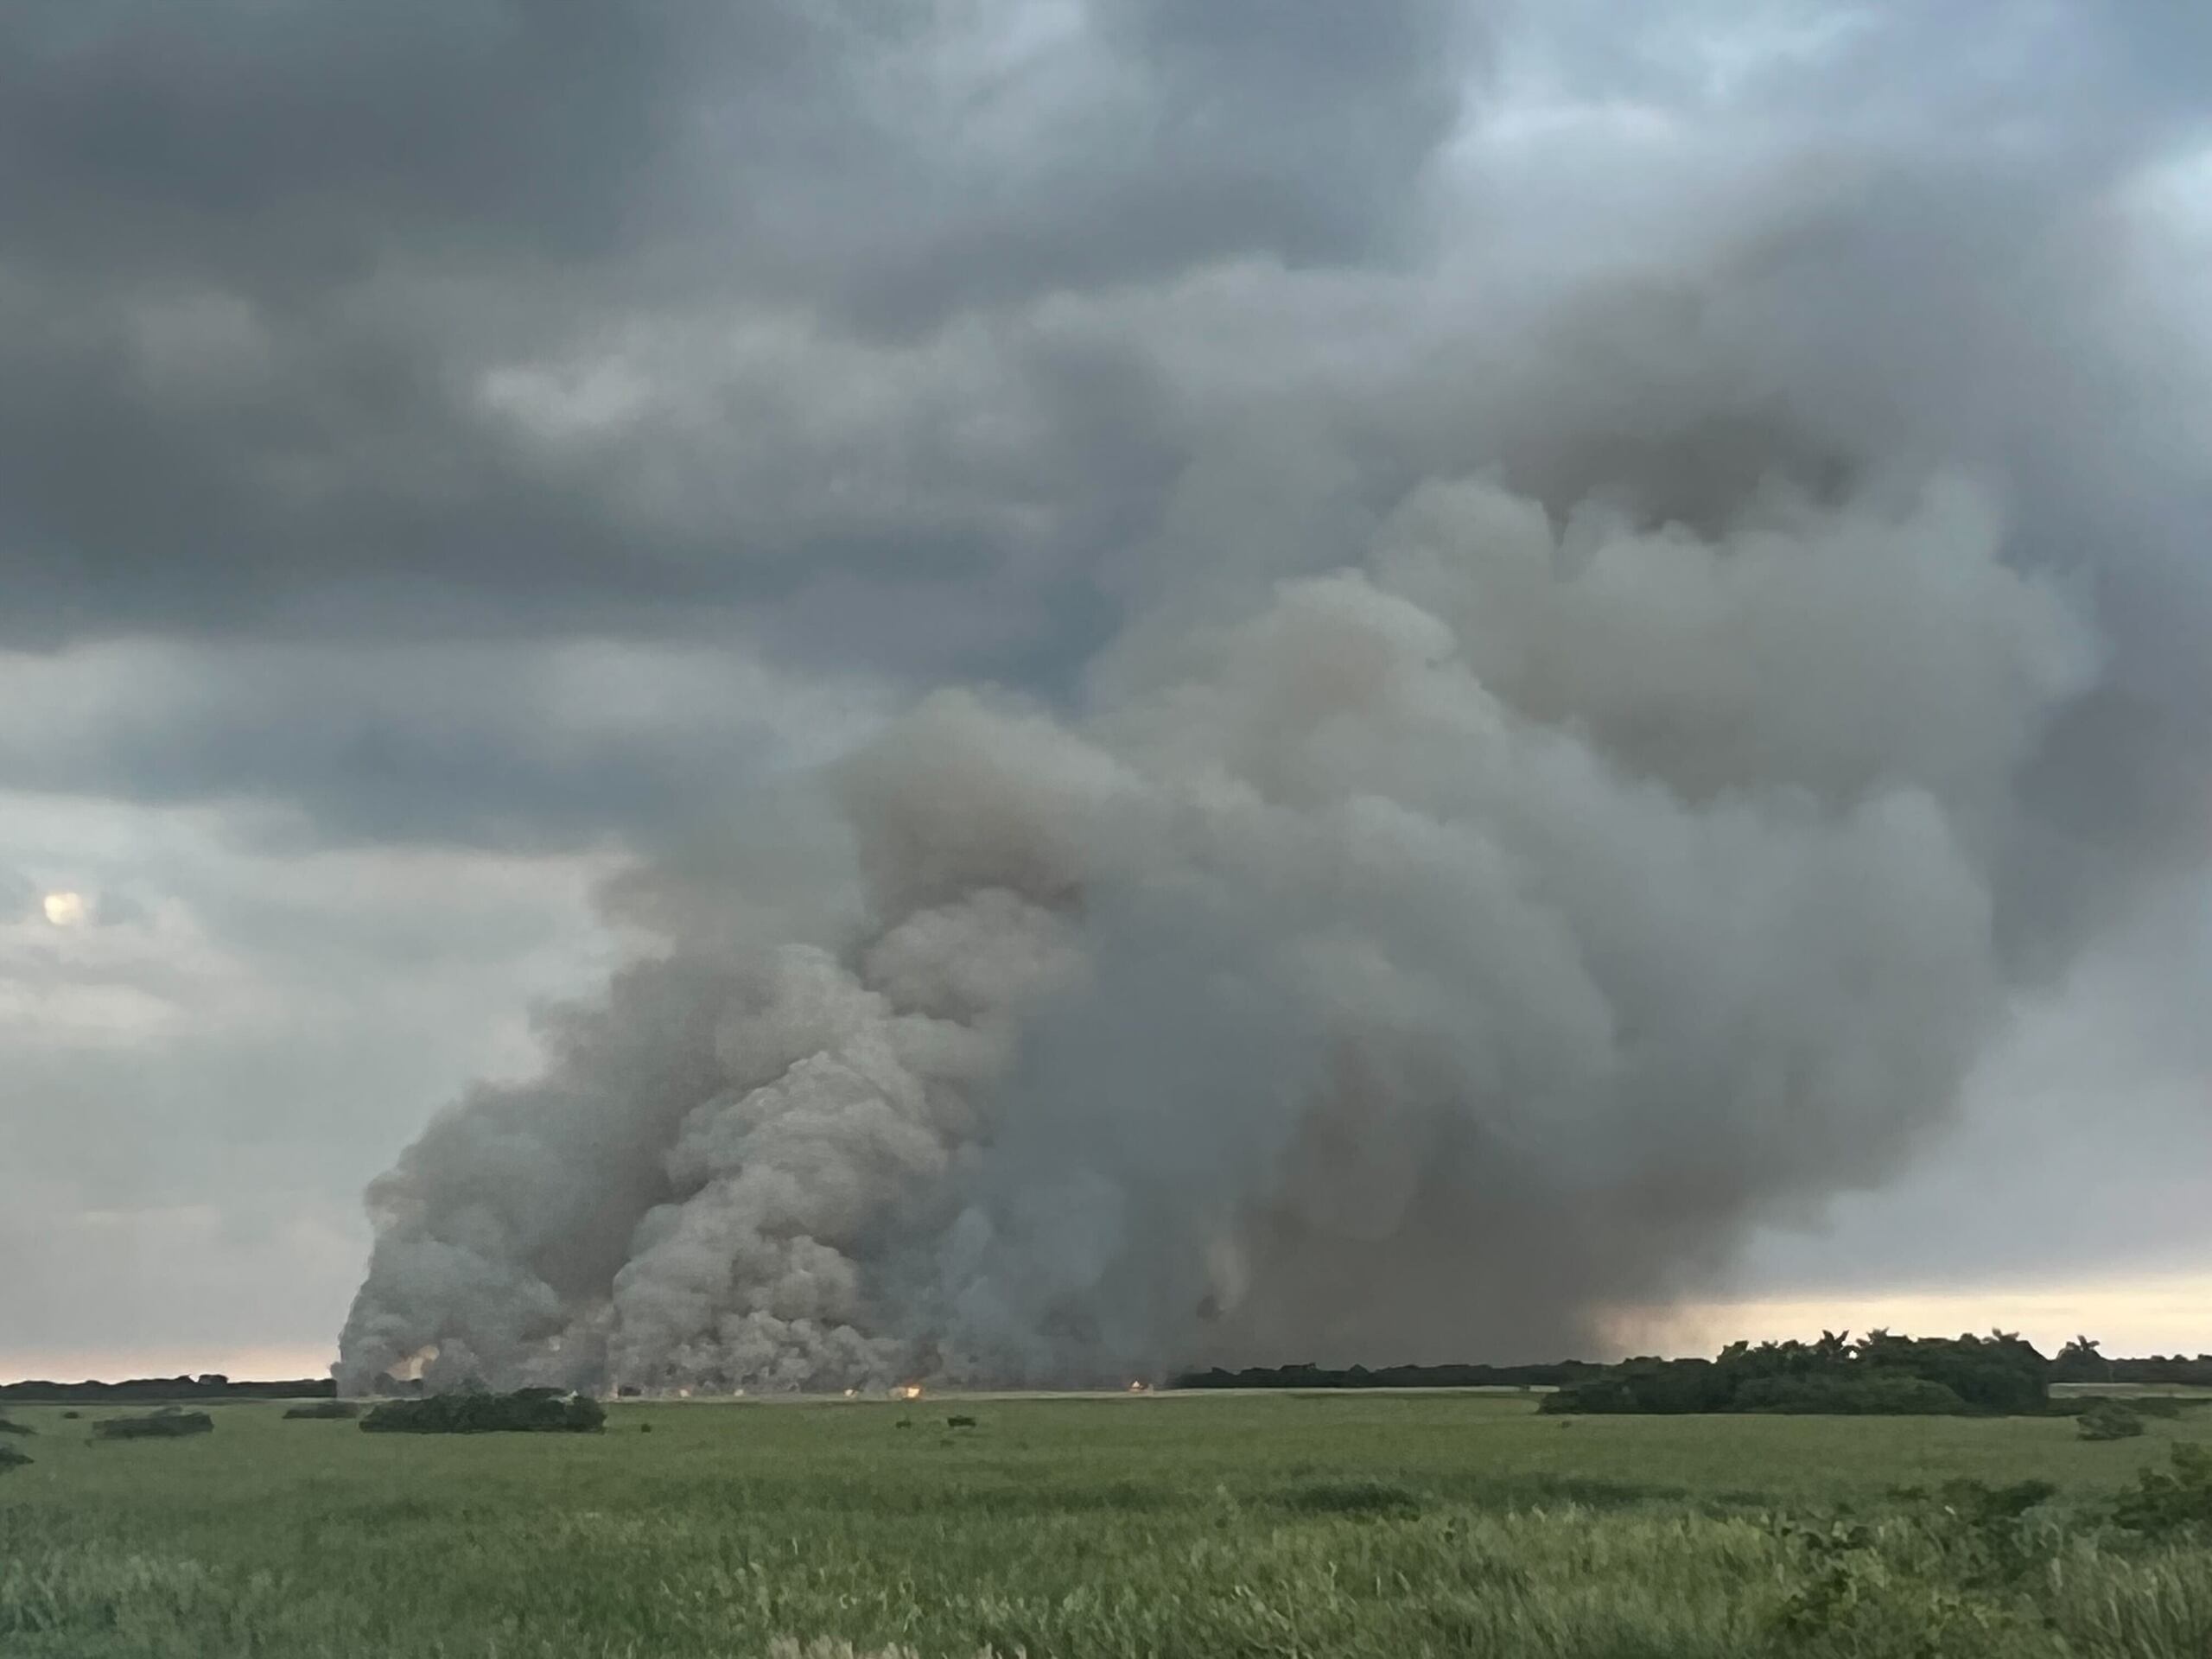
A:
1583, 769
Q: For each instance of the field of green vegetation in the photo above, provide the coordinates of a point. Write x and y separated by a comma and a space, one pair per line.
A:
1227, 1524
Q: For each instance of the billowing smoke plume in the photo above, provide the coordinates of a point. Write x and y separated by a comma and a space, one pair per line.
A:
1497, 924
1551, 808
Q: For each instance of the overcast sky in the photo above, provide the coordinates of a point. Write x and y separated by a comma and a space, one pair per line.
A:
451, 449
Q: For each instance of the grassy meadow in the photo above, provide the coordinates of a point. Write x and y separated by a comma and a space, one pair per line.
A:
1174, 1525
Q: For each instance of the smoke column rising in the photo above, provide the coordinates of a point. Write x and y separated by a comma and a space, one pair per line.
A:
1568, 787
1480, 932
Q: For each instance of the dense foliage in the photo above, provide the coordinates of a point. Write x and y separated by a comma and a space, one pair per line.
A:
528, 1411
1881, 1374
321, 1410
2082, 1360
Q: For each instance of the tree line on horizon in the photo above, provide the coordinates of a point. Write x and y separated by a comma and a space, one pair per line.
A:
1879, 1372
2081, 1360
208, 1385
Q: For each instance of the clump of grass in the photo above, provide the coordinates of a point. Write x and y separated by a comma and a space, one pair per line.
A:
168, 1423
1352, 1498
324, 1411
2110, 1419
527, 1411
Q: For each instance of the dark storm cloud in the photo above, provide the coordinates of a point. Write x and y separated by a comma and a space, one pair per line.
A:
260, 261
894, 339
280, 145
508, 745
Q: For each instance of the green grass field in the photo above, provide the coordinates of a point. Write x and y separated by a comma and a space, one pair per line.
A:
1381, 1525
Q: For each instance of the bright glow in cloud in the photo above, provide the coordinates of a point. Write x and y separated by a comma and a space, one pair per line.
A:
67, 909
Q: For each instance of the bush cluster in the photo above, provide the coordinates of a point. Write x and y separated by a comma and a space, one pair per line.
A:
167, 1424
528, 1411
2176, 1502
2110, 1419
1880, 1375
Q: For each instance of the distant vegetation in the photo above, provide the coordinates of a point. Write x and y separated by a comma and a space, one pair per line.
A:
161, 1425
1880, 1375
2081, 1360
12, 1458
8, 1427
528, 1411
321, 1410
1392, 1376
151, 1390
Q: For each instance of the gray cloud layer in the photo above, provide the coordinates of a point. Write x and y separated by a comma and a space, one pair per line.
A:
528, 427
263, 269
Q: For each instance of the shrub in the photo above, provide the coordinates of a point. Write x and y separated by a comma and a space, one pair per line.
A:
9, 1427
533, 1411
11, 1459
2164, 1504
324, 1410
168, 1424
2109, 1420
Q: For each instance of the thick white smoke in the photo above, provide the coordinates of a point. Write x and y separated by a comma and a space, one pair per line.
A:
1398, 964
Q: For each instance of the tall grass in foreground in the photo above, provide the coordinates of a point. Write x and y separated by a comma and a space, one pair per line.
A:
1567, 1582
1237, 1527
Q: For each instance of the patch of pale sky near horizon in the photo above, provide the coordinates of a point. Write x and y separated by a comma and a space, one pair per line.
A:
2162, 1314
2081, 1150
188, 1178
